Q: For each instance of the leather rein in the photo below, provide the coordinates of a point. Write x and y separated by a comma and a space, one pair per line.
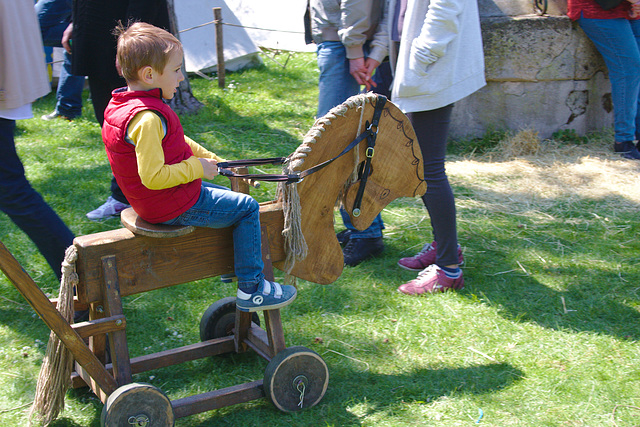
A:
370, 134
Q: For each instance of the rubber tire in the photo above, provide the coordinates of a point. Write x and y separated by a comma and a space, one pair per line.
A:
219, 319
286, 368
137, 400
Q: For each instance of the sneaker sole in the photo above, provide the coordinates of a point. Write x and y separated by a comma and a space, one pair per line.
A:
266, 308
409, 268
431, 293
420, 269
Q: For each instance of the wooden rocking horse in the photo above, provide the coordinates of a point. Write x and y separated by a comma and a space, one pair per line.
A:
298, 238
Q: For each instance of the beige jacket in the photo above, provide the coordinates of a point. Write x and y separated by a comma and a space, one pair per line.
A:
351, 22
23, 74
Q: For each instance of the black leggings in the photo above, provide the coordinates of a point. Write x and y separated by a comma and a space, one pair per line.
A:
432, 128
100, 96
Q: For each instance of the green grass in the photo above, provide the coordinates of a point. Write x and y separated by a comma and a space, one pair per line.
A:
544, 334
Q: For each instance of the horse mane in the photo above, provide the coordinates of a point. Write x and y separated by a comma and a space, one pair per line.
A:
294, 242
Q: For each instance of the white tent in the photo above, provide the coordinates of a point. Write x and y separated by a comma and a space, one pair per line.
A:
279, 22
247, 25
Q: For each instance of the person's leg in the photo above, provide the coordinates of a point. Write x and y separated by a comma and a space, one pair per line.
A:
100, 90
617, 42
635, 28
54, 17
69, 92
335, 84
101, 94
373, 231
219, 207
432, 129
25, 206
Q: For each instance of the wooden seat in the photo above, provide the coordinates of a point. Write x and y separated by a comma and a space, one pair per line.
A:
132, 222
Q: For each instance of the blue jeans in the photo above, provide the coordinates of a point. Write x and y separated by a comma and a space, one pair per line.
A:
219, 207
54, 17
335, 85
618, 41
25, 207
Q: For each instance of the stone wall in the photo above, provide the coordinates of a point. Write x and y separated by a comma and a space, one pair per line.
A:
542, 73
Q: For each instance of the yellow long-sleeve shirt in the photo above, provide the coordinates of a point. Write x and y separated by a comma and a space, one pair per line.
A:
146, 131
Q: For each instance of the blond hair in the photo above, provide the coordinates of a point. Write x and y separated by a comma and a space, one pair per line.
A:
140, 45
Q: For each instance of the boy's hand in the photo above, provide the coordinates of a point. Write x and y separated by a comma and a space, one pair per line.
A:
209, 167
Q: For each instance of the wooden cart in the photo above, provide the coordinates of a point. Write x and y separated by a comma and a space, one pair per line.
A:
143, 257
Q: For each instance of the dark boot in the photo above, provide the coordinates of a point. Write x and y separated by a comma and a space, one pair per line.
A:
357, 250
343, 237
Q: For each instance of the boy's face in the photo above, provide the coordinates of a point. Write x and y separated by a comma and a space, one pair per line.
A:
171, 76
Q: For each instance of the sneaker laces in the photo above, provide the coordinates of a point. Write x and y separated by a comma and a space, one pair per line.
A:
426, 248
433, 268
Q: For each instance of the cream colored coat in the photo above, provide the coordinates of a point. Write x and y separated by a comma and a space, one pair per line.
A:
23, 74
441, 59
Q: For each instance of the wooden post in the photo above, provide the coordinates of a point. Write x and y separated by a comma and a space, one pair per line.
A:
217, 16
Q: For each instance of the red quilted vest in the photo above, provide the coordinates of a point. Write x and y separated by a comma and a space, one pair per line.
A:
154, 206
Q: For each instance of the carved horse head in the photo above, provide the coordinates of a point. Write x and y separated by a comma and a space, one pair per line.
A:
396, 171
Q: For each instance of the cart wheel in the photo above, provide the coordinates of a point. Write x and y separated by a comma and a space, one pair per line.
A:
137, 404
220, 318
296, 379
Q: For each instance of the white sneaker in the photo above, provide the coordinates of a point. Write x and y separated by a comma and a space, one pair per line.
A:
110, 208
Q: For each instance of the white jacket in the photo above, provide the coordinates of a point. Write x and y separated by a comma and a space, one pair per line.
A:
441, 59
23, 74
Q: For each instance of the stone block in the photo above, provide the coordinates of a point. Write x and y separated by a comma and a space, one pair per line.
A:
543, 73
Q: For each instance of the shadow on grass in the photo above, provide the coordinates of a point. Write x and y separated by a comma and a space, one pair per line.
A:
376, 395
575, 271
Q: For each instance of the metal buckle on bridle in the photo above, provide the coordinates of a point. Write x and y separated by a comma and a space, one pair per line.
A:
373, 128
369, 152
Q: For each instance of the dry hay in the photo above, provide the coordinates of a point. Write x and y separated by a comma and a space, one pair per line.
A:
530, 175
524, 143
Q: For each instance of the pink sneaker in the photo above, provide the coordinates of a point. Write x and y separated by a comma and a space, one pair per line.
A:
430, 281
425, 258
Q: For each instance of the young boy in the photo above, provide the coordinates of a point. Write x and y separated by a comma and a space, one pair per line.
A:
160, 170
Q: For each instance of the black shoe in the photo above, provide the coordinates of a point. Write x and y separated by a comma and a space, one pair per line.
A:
627, 149
343, 237
357, 250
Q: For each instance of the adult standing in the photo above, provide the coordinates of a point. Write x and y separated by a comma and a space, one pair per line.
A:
435, 50
54, 17
94, 55
23, 79
344, 32
614, 28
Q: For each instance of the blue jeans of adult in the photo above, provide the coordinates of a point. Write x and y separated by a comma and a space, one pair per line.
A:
54, 17
24, 205
219, 207
618, 41
335, 85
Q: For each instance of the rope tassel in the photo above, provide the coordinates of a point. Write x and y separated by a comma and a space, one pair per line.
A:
55, 374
